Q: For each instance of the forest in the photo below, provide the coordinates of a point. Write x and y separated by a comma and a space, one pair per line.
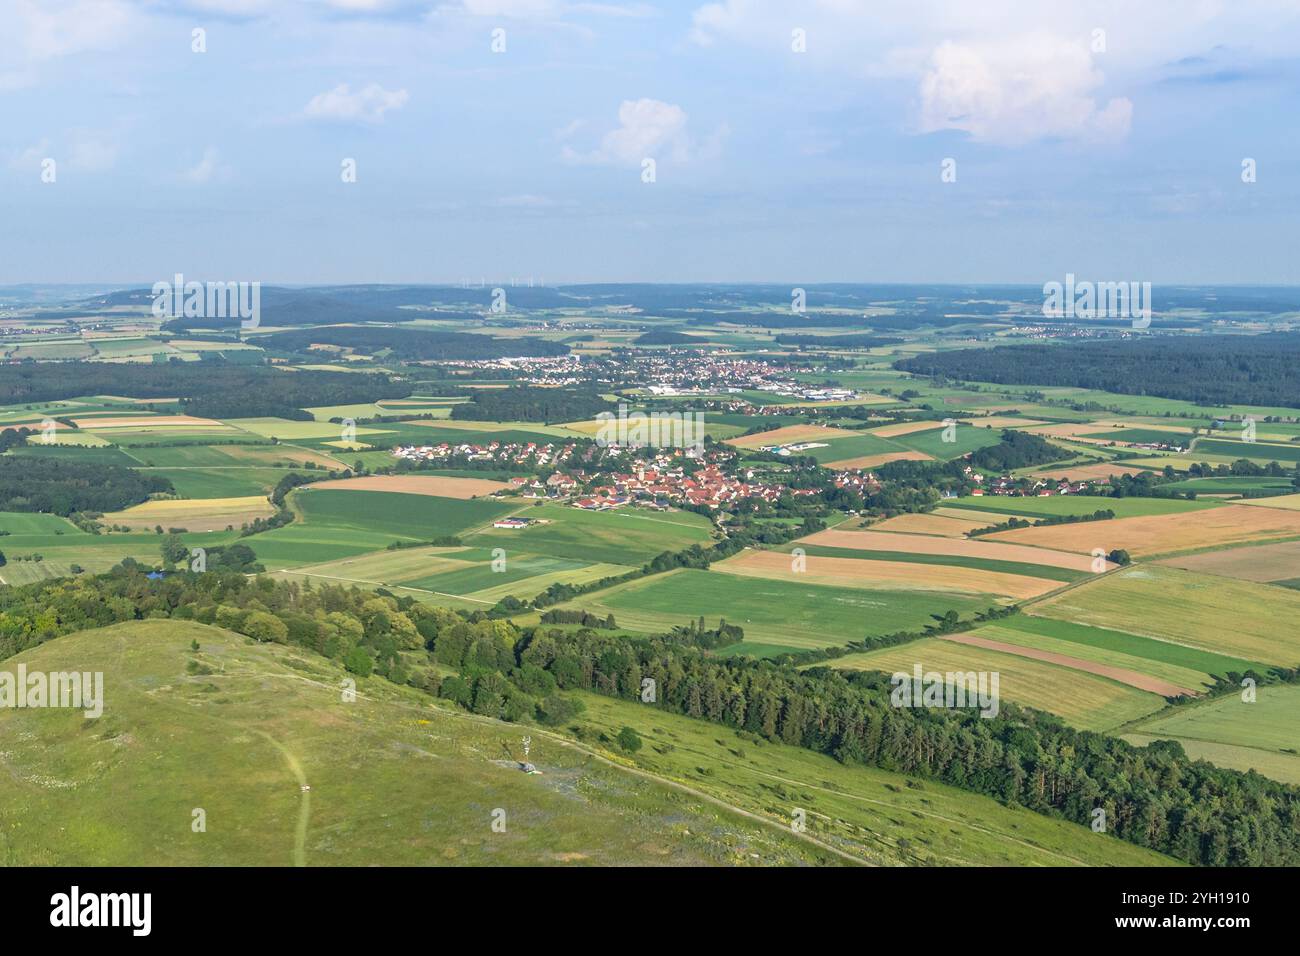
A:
525, 403
208, 389
1206, 369
64, 487
411, 345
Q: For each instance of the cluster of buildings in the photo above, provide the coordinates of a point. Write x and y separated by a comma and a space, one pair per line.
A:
656, 484
1023, 487
530, 454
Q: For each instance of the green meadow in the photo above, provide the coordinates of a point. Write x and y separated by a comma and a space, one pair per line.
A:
619, 536
780, 613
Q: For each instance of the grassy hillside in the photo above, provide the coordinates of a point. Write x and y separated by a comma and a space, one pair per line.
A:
239, 729
393, 780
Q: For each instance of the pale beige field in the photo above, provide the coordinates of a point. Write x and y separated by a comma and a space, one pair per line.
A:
888, 575
905, 428
149, 421
1163, 534
1003, 421
960, 547
1287, 502
1098, 472
944, 526
193, 514
791, 434
875, 461
1261, 562
1122, 674
439, 486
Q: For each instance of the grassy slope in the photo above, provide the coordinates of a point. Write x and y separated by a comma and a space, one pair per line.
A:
396, 779
393, 779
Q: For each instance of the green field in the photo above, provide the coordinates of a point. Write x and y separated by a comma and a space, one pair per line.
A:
780, 613
620, 536
1262, 736
1257, 450
1060, 505
400, 516
1231, 486
1084, 700
1212, 613
233, 481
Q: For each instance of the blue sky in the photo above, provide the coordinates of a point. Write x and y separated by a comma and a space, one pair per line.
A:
1113, 155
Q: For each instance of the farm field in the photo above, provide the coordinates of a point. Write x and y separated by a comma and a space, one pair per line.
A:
402, 516
1074, 505
1259, 736
1264, 563
247, 739
1222, 615
793, 434
1044, 571
781, 614
1115, 669
1092, 472
1231, 485
222, 482
1166, 534
1288, 502
621, 536
983, 547
201, 514
875, 461
1256, 451
1143, 670
436, 485
1083, 700
867, 574
946, 526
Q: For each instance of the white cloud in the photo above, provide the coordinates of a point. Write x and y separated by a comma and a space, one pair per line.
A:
366, 105
1004, 71
43, 29
207, 169
646, 128
1018, 90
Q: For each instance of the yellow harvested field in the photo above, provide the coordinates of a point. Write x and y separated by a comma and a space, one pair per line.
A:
1099, 472
193, 514
149, 421
968, 514
956, 547
791, 434
439, 486
946, 527
889, 575
875, 461
905, 428
1163, 534
1287, 502
1002, 421
1067, 430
